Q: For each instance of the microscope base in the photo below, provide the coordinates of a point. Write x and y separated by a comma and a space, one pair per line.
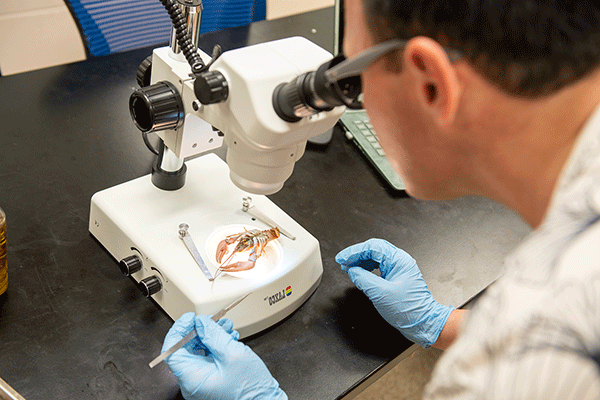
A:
138, 219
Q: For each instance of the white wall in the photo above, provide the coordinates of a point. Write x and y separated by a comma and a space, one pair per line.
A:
283, 8
36, 34
41, 33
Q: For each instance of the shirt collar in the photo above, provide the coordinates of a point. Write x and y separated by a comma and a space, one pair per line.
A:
583, 160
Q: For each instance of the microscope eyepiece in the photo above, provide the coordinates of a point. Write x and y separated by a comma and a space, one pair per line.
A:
311, 93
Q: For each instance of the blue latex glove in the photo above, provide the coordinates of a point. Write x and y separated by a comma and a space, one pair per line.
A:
400, 294
214, 365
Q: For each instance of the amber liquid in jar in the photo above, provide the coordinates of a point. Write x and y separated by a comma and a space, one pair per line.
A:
3, 265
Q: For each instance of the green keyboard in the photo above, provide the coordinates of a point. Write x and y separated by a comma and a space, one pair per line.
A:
359, 129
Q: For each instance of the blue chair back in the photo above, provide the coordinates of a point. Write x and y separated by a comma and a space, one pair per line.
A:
111, 26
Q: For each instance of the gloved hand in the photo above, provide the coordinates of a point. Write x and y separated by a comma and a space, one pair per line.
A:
214, 365
400, 294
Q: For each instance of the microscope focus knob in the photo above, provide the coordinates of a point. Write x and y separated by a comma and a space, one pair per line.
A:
150, 285
157, 107
143, 72
130, 265
211, 87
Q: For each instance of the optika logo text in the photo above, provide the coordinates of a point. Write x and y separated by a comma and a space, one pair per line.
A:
277, 297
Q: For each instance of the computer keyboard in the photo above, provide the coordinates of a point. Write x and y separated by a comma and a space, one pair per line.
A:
358, 128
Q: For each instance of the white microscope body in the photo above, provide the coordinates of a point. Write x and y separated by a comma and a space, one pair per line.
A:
138, 223
261, 147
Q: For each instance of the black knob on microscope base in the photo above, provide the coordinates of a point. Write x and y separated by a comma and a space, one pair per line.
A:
130, 265
150, 285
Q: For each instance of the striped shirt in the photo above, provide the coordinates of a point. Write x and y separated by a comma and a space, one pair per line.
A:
535, 334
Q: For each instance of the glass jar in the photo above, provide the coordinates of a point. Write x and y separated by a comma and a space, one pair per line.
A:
3, 264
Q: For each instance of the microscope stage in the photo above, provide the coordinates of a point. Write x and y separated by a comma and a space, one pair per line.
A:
138, 219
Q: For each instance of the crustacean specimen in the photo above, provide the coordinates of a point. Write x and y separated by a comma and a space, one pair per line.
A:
253, 240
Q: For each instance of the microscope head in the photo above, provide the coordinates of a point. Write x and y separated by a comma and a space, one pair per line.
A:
262, 148
247, 99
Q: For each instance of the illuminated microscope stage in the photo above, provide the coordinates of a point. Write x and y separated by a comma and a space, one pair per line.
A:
138, 219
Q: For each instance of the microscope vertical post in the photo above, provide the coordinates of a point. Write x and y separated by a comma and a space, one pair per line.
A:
192, 12
169, 171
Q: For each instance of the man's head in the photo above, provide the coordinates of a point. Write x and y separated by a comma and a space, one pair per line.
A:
475, 125
526, 47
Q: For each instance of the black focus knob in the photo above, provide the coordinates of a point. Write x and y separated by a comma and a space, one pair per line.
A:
211, 87
143, 72
156, 107
150, 285
130, 265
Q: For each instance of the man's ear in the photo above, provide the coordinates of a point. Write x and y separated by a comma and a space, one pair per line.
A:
434, 78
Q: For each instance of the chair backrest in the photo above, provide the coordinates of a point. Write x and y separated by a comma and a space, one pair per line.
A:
111, 26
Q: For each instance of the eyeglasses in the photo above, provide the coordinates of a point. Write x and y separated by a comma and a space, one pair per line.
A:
354, 66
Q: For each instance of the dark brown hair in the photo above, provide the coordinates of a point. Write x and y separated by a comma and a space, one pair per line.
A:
527, 48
